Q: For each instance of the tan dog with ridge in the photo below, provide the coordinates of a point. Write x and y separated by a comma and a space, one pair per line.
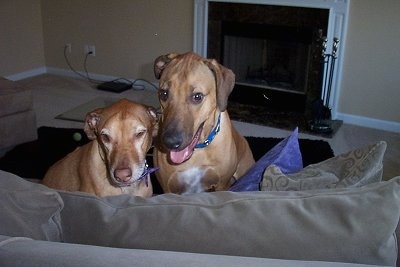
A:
114, 161
197, 148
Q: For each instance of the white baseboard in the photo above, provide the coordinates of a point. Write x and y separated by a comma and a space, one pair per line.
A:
390, 126
27, 74
142, 84
70, 73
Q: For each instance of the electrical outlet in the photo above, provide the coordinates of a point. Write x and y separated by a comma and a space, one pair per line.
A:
90, 49
68, 47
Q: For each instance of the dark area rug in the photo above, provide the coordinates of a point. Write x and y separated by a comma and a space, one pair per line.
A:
32, 159
278, 119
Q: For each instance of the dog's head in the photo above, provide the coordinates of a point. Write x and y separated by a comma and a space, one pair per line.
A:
124, 133
193, 92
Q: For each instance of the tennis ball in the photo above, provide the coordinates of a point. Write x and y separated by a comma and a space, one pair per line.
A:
77, 137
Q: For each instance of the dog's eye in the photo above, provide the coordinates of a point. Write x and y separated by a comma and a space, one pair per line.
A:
140, 133
163, 94
197, 97
105, 138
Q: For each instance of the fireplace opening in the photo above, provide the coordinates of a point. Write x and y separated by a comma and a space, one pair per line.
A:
273, 51
269, 56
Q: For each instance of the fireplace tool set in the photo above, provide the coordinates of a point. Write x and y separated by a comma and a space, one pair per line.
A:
321, 111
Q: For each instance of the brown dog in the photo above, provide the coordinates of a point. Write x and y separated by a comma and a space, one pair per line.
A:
114, 161
197, 148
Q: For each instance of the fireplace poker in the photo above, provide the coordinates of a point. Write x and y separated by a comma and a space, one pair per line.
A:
332, 69
325, 63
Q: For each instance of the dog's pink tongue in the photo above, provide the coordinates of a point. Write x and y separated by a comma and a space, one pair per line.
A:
178, 157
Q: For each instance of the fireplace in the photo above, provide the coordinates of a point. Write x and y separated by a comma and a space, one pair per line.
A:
274, 50
270, 56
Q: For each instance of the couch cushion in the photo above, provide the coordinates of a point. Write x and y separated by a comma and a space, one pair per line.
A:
344, 225
14, 98
354, 168
28, 209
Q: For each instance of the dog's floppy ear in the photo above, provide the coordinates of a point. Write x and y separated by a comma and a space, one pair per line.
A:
91, 122
161, 62
225, 81
153, 114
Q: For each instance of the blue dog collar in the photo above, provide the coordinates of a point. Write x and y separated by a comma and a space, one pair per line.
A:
212, 135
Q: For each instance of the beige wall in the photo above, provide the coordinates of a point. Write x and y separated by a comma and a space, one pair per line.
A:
130, 34
371, 72
21, 36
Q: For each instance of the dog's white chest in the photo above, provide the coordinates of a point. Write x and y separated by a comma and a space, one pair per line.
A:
191, 178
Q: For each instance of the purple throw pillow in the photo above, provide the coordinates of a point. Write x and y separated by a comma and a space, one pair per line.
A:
286, 155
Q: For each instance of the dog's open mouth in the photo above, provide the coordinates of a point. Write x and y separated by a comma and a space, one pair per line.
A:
180, 156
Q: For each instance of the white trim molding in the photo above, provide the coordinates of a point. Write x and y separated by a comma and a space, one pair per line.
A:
98, 78
390, 126
337, 26
27, 74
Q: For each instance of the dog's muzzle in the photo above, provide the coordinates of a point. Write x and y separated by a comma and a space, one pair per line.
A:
123, 177
177, 153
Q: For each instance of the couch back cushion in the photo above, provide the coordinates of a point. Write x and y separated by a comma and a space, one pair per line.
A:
29, 209
344, 225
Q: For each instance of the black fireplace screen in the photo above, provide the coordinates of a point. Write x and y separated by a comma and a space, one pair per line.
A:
275, 57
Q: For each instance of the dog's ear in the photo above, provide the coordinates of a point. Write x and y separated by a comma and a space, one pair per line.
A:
153, 114
161, 62
91, 122
225, 81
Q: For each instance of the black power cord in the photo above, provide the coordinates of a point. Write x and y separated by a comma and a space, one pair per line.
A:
98, 82
72, 68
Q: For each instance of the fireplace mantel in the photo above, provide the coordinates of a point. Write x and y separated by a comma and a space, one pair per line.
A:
337, 24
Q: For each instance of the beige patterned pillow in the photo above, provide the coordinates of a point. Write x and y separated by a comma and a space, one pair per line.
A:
352, 169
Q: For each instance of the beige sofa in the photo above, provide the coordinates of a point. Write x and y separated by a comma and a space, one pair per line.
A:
17, 117
334, 213
328, 227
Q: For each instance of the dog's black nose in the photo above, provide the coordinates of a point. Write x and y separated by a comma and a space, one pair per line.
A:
172, 140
